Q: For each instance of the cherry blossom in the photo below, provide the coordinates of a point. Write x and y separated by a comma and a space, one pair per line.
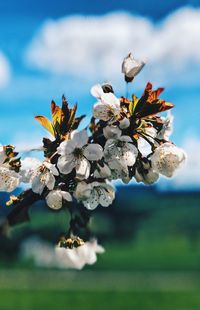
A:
131, 67
108, 106
94, 194
9, 179
120, 153
55, 198
44, 177
167, 158
77, 258
2, 154
77, 153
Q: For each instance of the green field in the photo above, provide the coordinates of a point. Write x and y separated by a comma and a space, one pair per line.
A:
30, 300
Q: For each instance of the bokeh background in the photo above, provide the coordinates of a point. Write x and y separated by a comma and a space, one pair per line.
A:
151, 234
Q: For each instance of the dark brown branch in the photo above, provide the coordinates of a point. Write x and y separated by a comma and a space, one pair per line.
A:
19, 212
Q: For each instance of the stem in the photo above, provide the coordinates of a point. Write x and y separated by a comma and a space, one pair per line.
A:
127, 93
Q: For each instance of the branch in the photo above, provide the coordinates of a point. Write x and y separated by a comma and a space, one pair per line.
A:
19, 214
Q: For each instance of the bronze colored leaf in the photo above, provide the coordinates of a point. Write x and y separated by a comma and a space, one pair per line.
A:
149, 104
57, 113
45, 123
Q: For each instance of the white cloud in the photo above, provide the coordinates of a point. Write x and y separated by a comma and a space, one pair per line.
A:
5, 71
93, 47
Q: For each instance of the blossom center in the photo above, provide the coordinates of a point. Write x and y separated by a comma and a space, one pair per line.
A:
77, 152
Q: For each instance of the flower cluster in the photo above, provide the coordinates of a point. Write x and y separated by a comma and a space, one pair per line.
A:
125, 140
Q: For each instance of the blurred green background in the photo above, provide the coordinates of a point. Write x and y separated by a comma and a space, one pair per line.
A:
152, 258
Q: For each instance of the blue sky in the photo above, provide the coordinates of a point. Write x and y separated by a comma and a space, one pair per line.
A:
47, 49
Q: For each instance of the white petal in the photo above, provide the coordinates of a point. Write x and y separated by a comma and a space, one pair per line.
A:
9, 180
50, 181
37, 185
93, 152
95, 246
77, 258
82, 168
125, 139
80, 138
125, 123
110, 150
152, 132
66, 163
111, 132
83, 191
105, 198
131, 67
51, 168
54, 199
2, 154
66, 196
130, 153
66, 147
92, 202
135, 70
97, 91
110, 99
69, 258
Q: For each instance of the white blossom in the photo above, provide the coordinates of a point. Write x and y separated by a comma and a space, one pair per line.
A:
55, 198
77, 258
28, 167
120, 153
94, 194
111, 132
43, 254
2, 154
124, 123
108, 106
131, 67
167, 158
44, 177
9, 179
120, 173
97, 91
76, 153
